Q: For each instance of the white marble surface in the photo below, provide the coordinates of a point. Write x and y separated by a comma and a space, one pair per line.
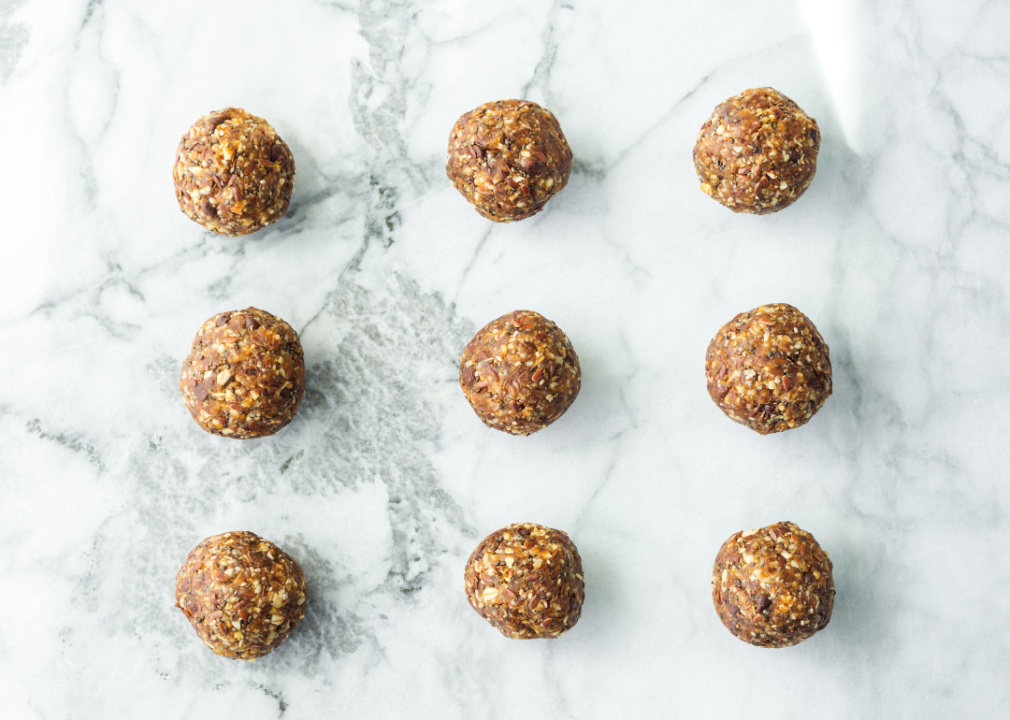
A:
385, 481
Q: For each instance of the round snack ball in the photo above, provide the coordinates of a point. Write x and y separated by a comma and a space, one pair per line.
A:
520, 373
758, 152
508, 158
242, 594
244, 376
233, 174
526, 580
769, 369
772, 587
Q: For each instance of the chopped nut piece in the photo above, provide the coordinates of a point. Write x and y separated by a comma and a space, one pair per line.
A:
218, 603
508, 158
520, 373
769, 369
757, 153
245, 374
233, 174
767, 602
537, 592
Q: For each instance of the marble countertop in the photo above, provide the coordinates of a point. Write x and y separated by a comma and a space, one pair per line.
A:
386, 481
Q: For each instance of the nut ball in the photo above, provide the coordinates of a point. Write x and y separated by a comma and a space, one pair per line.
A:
772, 587
245, 374
526, 580
520, 373
233, 174
758, 152
769, 369
242, 594
508, 158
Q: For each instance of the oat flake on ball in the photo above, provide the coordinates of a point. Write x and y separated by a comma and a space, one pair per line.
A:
244, 376
508, 158
773, 587
769, 369
526, 580
233, 174
757, 153
520, 373
242, 594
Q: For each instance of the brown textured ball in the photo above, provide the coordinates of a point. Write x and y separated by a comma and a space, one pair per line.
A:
520, 373
233, 174
758, 152
526, 580
769, 369
508, 158
244, 376
773, 587
242, 594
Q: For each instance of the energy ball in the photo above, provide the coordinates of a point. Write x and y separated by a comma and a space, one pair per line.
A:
772, 587
758, 152
526, 580
769, 369
242, 594
520, 373
245, 374
233, 174
508, 158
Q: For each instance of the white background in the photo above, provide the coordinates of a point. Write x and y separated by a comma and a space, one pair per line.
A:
386, 480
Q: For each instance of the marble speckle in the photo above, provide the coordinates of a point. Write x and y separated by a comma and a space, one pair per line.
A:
13, 39
346, 490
